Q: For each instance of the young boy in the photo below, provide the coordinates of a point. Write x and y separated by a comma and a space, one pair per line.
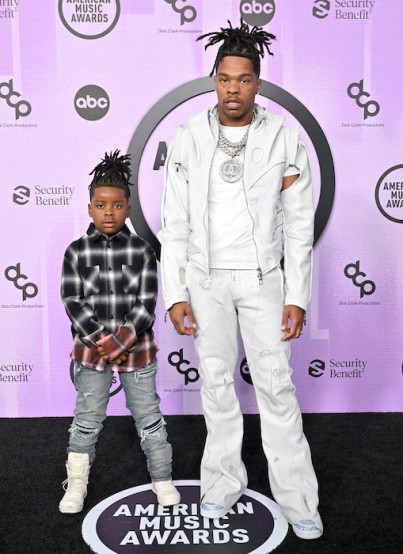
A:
109, 290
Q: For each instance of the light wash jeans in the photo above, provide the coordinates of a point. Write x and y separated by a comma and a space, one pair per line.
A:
141, 399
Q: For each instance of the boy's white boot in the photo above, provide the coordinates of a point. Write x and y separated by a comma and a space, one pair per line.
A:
78, 469
167, 493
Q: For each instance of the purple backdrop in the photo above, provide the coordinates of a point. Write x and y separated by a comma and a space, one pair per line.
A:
83, 81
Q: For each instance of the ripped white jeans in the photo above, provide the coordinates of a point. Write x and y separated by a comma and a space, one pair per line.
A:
220, 301
141, 399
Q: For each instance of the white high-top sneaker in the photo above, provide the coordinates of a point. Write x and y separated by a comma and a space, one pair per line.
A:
78, 469
167, 493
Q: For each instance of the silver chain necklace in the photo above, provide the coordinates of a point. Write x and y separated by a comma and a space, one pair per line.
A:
232, 170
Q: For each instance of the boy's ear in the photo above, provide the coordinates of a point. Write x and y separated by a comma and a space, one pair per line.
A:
89, 210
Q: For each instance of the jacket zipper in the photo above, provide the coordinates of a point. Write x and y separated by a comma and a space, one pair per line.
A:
259, 269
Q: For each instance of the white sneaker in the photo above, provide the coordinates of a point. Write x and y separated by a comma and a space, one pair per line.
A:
212, 511
167, 493
307, 529
78, 469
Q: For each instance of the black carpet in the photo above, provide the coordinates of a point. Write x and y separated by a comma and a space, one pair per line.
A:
357, 457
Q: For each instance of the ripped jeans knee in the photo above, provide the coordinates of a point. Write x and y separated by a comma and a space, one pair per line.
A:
83, 437
152, 428
158, 451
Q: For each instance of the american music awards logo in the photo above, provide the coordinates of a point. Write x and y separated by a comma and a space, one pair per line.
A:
132, 520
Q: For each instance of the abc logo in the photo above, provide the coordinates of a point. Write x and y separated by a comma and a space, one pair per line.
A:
91, 102
257, 12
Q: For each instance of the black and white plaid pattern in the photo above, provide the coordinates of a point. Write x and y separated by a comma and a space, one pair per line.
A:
109, 289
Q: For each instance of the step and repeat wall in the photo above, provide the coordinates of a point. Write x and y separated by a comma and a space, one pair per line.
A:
79, 78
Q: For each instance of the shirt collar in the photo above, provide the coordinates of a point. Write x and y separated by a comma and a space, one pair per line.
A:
123, 235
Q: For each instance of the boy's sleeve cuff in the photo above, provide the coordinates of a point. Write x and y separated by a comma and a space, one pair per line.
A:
91, 340
118, 343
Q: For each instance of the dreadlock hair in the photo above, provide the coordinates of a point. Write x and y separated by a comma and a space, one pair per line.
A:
240, 41
113, 171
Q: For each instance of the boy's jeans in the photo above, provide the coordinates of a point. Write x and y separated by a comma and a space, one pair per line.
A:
141, 399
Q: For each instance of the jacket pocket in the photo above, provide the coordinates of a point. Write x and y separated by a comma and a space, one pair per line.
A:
91, 280
268, 175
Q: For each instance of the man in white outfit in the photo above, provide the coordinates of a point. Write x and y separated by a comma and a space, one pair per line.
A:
238, 198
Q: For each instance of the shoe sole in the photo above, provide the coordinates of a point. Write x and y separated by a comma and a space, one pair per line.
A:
307, 535
70, 511
213, 515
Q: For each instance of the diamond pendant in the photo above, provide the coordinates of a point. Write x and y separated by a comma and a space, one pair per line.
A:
231, 170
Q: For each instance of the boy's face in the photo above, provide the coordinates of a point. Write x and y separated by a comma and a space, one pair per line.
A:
108, 208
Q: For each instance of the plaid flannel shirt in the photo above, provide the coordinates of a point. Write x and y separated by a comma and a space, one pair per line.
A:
109, 289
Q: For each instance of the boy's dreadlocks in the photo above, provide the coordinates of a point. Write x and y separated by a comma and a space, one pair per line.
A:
114, 171
240, 41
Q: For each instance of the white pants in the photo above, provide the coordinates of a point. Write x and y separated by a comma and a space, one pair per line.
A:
220, 301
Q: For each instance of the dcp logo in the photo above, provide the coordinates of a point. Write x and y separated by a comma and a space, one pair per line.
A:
176, 359
13, 274
359, 88
321, 8
22, 108
188, 13
257, 12
317, 368
352, 271
245, 373
91, 102
21, 195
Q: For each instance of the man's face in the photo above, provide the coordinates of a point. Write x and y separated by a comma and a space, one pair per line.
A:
109, 209
236, 85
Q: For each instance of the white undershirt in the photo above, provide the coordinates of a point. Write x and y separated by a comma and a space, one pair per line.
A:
230, 224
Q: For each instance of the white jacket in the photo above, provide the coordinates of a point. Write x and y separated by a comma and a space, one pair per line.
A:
283, 220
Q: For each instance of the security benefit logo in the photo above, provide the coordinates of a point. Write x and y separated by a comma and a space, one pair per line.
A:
43, 196
177, 360
16, 373
21, 195
89, 19
338, 368
343, 9
187, 12
132, 521
356, 92
14, 274
8, 9
91, 102
22, 108
321, 8
389, 194
257, 12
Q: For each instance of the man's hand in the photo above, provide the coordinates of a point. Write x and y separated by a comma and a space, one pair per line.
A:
295, 315
177, 313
